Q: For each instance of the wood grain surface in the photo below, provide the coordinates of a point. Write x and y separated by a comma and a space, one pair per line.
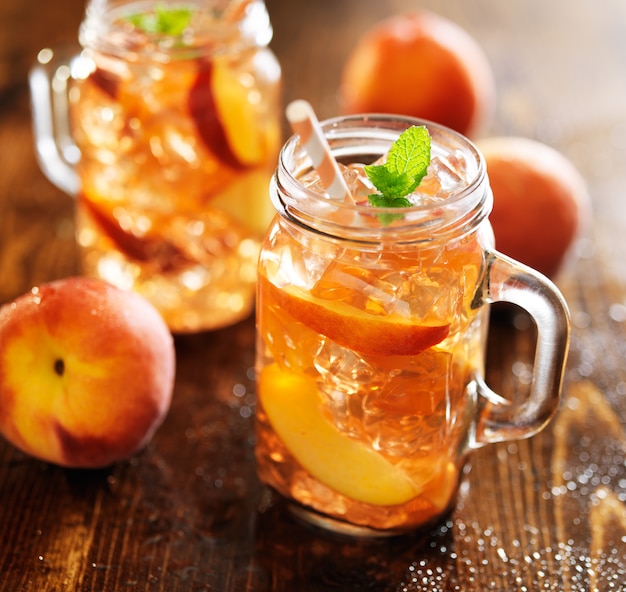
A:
187, 513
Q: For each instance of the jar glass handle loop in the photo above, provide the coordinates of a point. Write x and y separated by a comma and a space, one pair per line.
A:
49, 81
506, 280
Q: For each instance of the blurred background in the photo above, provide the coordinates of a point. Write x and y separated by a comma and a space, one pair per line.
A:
26, 27
560, 77
574, 99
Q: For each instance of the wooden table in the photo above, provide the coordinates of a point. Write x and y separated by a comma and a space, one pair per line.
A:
187, 514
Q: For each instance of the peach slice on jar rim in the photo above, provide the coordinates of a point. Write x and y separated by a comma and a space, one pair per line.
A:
355, 329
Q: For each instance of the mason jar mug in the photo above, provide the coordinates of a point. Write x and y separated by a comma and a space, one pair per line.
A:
372, 330
165, 126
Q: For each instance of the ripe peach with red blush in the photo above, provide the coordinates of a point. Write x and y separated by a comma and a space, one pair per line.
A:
86, 372
541, 203
423, 65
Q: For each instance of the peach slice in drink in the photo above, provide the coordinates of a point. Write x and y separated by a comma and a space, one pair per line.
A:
251, 137
292, 404
440, 490
203, 109
355, 329
346, 465
151, 247
220, 105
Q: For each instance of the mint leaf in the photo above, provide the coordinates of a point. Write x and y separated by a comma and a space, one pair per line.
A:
389, 183
384, 202
381, 201
410, 153
164, 20
406, 166
173, 21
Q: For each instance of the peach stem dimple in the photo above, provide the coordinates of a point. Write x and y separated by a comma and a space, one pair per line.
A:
59, 367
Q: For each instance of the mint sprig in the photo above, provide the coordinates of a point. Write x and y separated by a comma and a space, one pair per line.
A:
406, 166
164, 20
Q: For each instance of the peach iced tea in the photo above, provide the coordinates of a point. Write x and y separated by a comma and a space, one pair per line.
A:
178, 134
368, 345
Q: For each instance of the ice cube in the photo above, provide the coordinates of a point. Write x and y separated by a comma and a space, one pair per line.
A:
445, 176
358, 182
361, 285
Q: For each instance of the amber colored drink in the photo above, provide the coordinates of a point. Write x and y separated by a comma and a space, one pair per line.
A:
372, 328
178, 139
367, 352
366, 435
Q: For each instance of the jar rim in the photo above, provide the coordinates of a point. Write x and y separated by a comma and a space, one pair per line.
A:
460, 211
103, 29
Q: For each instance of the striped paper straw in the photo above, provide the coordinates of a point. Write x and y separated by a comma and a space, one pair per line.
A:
303, 121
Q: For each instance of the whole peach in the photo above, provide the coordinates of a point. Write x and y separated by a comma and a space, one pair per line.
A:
540, 201
86, 372
420, 64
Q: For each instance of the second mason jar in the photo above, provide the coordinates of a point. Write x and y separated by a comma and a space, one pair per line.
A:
174, 109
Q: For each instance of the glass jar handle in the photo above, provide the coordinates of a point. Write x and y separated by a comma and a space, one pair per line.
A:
499, 420
49, 81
